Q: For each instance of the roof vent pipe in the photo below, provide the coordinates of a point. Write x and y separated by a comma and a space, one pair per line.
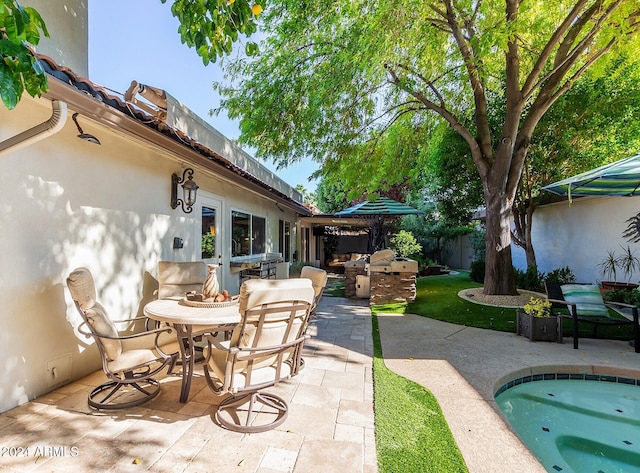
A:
45, 129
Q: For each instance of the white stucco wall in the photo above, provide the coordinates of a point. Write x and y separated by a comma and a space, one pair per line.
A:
65, 203
580, 234
68, 26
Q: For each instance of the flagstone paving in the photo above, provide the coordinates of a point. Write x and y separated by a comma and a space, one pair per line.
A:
329, 427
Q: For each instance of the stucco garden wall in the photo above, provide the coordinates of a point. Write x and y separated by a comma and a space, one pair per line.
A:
65, 202
579, 235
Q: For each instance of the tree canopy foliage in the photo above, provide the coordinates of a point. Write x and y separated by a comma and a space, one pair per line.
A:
211, 27
335, 76
20, 27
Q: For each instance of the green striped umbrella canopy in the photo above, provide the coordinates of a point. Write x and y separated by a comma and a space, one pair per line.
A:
621, 178
381, 206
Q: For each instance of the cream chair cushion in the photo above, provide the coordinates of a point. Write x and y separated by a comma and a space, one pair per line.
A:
82, 287
104, 327
382, 256
318, 278
253, 294
177, 277
83, 291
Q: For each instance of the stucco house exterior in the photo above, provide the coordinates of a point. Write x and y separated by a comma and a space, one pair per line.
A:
579, 234
68, 202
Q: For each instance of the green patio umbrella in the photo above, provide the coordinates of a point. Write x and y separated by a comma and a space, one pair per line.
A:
381, 211
621, 178
380, 206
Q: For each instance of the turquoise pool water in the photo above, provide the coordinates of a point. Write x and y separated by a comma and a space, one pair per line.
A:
586, 424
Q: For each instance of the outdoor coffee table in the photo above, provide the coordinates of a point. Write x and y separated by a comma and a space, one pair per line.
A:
184, 318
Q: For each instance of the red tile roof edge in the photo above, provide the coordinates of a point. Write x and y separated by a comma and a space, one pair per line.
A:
101, 93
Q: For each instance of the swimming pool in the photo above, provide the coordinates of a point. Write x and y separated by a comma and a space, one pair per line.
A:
576, 422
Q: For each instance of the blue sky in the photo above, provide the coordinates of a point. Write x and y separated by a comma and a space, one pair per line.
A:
138, 40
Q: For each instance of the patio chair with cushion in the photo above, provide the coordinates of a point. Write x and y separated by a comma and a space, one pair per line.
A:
585, 305
318, 279
265, 348
129, 359
177, 277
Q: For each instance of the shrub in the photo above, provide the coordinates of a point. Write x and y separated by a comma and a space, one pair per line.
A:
623, 295
530, 280
632, 297
208, 245
296, 268
477, 271
405, 244
561, 276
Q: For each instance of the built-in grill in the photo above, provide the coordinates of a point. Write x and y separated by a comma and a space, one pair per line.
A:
384, 279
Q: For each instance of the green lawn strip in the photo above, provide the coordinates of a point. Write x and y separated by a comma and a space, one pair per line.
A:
437, 298
411, 432
338, 289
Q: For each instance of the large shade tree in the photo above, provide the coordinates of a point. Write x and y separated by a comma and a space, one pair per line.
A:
335, 74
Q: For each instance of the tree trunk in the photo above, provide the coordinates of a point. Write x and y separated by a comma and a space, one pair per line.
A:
523, 218
529, 251
499, 276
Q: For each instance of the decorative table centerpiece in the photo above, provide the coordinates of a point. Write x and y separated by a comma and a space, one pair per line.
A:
211, 295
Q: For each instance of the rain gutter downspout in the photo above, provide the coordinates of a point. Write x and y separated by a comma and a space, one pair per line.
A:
45, 129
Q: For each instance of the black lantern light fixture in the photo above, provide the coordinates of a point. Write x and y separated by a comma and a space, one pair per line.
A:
189, 190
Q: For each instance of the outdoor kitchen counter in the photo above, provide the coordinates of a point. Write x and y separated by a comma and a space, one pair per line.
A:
252, 262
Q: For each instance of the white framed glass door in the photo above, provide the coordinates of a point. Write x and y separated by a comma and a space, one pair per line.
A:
210, 209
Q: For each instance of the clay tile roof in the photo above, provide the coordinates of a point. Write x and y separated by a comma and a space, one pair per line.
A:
106, 96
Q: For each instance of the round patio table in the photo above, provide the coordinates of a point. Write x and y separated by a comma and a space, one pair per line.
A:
190, 322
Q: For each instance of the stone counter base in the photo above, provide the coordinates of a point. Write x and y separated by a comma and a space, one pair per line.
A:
389, 288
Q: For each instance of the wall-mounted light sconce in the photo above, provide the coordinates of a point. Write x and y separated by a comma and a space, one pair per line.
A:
83, 135
189, 190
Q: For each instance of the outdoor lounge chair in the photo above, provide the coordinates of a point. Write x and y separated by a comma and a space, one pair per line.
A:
129, 359
318, 279
265, 348
585, 304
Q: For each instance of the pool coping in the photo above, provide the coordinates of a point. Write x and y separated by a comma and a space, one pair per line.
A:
596, 371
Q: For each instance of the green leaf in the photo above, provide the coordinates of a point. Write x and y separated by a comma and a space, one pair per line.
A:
37, 20
251, 49
12, 29
10, 87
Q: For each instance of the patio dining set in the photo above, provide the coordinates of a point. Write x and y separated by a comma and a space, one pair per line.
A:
247, 343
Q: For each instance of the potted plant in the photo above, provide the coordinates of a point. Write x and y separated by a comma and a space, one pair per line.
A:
536, 322
627, 264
